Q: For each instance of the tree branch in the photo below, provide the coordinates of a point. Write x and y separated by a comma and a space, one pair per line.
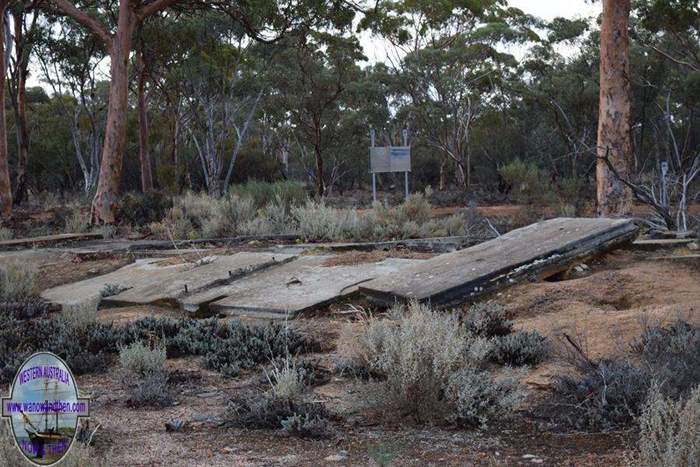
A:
153, 8
86, 20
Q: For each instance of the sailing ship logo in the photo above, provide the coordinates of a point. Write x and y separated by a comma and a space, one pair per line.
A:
43, 408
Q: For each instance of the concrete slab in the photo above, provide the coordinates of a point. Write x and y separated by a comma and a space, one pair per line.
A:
301, 285
538, 250
432, 244
163, 281
47, 240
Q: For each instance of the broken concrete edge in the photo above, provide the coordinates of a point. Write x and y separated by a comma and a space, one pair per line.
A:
49, 239
545, 265
431, 244
176, 302
271, 313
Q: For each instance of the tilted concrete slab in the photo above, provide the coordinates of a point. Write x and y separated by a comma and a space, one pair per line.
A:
540, 249
303, 284
163, 281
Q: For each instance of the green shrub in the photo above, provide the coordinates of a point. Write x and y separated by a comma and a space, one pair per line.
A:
519, 348
142, 209
673, 353
669, 432
286, 193
526, 181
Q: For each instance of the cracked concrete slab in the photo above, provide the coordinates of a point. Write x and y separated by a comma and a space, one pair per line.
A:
163, 281
303, 284
537, 251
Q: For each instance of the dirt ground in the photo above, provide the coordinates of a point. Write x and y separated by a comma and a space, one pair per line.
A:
606, 304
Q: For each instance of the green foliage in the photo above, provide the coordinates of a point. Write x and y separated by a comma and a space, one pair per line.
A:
526, 182
139, 209
285, 193
88, 346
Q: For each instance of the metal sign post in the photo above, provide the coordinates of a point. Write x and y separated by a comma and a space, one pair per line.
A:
405, 143
374, 177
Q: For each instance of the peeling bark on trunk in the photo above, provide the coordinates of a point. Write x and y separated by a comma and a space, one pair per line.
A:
5, 187
105, 202
144, 154
614, 139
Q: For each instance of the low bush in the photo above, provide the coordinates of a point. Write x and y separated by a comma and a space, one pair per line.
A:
76, 222
141, 360
478, 396
285, 193
669, 432
488, 320
273, 210
519, 348
673, 355
141, 209
286, 382
611, 393
88, 347
6, 234
306, 426
81, 314
17, 281
263, 410
146, 379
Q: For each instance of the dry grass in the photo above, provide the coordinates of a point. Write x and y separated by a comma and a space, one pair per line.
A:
669, 432
17, 281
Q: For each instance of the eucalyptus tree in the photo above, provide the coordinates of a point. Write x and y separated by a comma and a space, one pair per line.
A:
28, 26
615, 108
310, 77
5, 186
113, 22
221, 97
70, 60
453, 69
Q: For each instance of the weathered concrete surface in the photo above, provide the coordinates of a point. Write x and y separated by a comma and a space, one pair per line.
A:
544, 248
301, 285
433, 244
163, 281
